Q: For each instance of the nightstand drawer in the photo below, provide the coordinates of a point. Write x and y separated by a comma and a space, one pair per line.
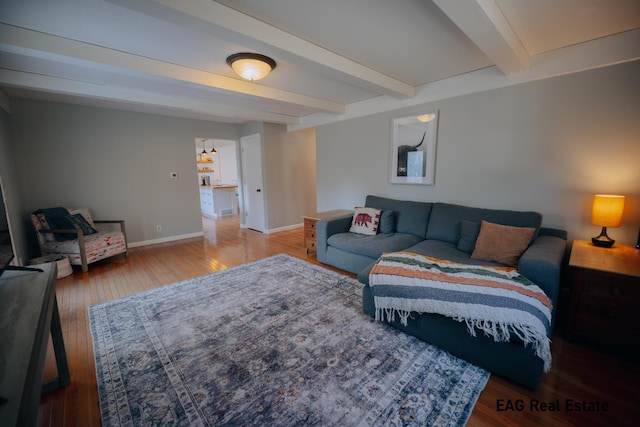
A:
607, 309
609, 285
310, 244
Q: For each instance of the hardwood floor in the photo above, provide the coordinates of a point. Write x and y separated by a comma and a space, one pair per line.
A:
579, 374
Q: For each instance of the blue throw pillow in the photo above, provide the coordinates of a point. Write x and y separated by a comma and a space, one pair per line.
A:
70, 222
62, 223
387, 222
469, 231
80, 223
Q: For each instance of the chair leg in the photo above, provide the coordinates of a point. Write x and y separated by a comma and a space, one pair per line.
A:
83, 253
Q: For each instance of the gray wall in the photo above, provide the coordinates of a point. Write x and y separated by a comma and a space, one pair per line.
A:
116, 163
547, 146
290, 162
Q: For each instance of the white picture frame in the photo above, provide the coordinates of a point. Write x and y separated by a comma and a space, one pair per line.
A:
413, 149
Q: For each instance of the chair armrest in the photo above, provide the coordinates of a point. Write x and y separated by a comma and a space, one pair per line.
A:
325, 228
542, 263
123, 228
80, 238
108, 221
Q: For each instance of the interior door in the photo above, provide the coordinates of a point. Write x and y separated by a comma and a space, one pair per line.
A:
253, 189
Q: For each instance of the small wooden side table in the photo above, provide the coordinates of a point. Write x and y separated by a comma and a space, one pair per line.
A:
310, 221
605, 296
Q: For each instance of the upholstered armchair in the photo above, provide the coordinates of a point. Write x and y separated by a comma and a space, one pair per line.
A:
72, 232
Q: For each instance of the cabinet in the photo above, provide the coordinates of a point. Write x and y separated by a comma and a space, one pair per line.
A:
218, 200
310, 221
605, 295
206, 201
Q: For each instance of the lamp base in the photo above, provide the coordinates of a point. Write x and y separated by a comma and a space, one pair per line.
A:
603, 241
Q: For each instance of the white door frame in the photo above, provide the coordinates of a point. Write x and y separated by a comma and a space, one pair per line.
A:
253, 183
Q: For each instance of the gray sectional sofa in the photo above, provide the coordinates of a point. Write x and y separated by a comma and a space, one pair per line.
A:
448, 231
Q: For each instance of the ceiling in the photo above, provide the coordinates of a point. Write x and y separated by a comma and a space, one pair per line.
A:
336, 59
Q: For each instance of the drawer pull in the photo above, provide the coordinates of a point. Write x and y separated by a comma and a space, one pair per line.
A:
616, 292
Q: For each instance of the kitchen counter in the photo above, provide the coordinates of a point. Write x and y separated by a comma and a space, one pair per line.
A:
219, 186
218, 200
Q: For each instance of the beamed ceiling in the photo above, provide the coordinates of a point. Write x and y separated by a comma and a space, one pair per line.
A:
336, 59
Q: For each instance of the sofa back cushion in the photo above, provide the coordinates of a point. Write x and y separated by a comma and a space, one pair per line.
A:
446, 220
411, 217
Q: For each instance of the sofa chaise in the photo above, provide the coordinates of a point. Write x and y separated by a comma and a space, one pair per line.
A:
449, 232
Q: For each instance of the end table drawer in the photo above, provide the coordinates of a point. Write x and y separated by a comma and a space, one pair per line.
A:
608, 286
607, 309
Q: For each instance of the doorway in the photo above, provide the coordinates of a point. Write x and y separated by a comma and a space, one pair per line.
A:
217, 165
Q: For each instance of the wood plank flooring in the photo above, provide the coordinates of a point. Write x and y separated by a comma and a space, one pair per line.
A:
579, 373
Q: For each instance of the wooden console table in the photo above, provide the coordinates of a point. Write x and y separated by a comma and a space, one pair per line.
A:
28, 311
310, 221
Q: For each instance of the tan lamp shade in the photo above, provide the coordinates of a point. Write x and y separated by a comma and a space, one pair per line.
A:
607, 210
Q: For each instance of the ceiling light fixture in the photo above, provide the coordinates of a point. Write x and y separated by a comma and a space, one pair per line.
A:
426, 118
251, 66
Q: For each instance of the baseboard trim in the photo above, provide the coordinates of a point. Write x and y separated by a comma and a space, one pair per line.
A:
285, 228
275, 230
164, 239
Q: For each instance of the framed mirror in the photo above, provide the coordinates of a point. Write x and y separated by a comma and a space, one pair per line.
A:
413, 149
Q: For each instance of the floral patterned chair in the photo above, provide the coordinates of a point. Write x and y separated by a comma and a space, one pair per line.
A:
71, 232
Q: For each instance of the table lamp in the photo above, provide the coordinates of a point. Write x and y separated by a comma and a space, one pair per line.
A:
607, 212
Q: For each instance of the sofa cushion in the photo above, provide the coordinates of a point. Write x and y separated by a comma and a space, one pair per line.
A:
502, 243
411, 217
447, 251
365, 221
446, 219
372, 246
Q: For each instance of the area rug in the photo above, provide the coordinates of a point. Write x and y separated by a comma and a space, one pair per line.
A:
278, 342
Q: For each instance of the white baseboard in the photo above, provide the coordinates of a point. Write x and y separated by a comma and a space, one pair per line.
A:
285, 228
164, 239
275, 230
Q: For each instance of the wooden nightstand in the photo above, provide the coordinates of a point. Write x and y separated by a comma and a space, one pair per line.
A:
605, 297
310, 221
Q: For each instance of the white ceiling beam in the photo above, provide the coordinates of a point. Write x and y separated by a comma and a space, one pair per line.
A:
49, 84
485, 24
46, 46
602, 52
254, 29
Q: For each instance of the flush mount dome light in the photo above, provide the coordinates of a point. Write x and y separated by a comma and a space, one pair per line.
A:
426, 118
251, 66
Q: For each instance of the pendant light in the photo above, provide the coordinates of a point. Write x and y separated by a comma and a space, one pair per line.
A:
203, 150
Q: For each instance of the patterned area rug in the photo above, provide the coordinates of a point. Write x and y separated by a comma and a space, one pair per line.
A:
278, 341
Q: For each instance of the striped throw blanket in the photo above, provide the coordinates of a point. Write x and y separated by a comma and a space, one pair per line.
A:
496, 300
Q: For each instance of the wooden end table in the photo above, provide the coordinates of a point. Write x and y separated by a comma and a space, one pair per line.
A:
605, 295
310, 221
